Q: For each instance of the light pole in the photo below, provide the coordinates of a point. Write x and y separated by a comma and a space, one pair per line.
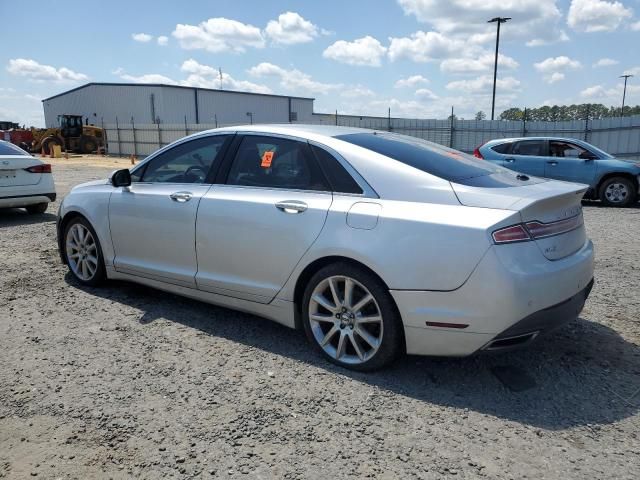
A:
497, 20
624, 91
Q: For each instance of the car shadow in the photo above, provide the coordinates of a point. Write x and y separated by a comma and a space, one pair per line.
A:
10, 217
585, 374
599, 204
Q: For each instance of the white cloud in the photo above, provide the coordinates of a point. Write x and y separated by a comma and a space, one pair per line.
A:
292, 80
357, 92
148, 78
426, 94
484, 84
291, 28
142, 37
163, 40
206, 76
366, 51
611, 95
423, 47
219, 35
633, 71
553, 68
605, 62
538, 21
480, 64
597, 15
635, 26
36, 71
411, 82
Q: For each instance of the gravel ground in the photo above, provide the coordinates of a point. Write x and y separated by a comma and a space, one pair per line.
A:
125, 381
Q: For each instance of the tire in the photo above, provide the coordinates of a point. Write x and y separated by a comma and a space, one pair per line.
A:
88, 145
93, 272
338, 325
618, 192
38, 208
48, 142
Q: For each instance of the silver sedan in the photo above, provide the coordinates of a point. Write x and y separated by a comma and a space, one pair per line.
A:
374, 243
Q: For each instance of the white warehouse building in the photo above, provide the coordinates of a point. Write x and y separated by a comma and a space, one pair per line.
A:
104, 103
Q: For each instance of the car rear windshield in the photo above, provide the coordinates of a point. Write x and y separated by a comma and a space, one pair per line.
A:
429, 157
10, 149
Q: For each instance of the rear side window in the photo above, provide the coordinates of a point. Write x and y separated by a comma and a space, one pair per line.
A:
532, 148
501, 148
429, 157
7, 148
273, 162
340, 180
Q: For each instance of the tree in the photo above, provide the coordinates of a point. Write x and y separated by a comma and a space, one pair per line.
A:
481, 115
513, 113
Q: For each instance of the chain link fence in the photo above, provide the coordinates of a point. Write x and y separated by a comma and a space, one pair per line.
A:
619, 136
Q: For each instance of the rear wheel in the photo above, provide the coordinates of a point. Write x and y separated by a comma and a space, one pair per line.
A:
349, 316
48, 143
83, 252
618, 192
37, 208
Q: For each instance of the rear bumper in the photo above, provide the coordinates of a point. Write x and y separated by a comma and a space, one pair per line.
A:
540, 323
17, 201
511, 284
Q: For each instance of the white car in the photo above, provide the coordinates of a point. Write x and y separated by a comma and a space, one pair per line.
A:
25, 181
374, 243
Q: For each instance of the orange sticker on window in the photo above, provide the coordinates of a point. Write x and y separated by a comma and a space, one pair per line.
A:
267, 158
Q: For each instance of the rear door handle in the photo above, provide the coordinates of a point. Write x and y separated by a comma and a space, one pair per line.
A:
552, 163
509, 160
181, 196
291, 206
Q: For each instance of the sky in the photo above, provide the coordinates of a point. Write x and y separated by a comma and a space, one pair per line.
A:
417, 57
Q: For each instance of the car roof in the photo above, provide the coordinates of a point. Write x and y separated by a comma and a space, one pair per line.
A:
516, 139
294, 129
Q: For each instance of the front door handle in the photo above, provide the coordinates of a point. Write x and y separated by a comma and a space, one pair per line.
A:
552, 163
181, 196
291, 206
509, 160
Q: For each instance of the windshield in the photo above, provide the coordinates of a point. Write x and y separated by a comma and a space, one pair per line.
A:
429, 157
7, 148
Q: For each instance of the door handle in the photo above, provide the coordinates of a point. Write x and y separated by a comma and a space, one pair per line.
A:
552, 163
291, 206
181, 196
509, 160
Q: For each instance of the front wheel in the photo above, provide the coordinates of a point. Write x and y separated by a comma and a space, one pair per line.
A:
349, 316
83, 253
618, 192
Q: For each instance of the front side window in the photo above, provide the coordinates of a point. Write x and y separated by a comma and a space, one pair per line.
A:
568, 150
189, 162
273, 162
530, 148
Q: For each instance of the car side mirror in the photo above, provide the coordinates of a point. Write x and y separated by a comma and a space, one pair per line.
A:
121, 178
587, 156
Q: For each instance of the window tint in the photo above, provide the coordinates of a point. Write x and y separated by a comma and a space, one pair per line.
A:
529, 147
566, 149
340, 180
429, 157
7, 148
501, 148
276, 163
188, 162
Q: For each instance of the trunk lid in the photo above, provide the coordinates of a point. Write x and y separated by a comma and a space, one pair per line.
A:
549, 205
13, 173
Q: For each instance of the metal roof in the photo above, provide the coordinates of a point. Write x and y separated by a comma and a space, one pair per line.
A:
116, 84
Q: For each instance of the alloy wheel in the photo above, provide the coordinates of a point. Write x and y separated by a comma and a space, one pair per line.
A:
345, 319
82, 252
616, 192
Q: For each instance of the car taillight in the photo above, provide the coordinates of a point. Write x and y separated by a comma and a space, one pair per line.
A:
514, 233
476, 152
44, 168
541, 230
